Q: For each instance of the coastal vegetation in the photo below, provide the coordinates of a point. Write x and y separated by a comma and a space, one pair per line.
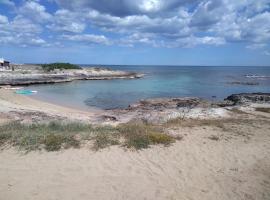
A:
57, 135
60, 66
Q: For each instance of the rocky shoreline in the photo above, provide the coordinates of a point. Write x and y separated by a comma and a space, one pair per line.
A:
161, 110
27, 75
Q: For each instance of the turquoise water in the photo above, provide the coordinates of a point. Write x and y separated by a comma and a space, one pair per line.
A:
159, 81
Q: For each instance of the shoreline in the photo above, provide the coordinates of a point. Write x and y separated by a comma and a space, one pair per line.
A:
157, 110
11, 102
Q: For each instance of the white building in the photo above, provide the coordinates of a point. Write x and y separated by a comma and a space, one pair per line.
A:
4, 64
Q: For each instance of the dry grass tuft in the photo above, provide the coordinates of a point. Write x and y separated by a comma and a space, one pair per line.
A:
141, 135
56, 135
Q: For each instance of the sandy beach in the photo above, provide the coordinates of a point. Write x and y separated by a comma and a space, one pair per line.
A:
11, 102
210, 162
194, 168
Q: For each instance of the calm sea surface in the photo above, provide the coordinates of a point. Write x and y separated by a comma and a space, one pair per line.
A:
159, 81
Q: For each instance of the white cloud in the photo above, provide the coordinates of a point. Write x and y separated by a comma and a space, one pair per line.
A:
21, 31
21, 25
66, 21
35, 11
3, 19
159, 23
192, 41
23, 42
138, 38
88, 39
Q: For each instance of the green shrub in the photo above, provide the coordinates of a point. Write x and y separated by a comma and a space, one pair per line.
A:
61, 66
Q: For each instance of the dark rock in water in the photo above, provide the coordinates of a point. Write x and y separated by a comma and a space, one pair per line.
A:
249, 97
243, 83
166, 103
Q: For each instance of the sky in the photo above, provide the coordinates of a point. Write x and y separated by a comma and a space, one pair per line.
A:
136, 32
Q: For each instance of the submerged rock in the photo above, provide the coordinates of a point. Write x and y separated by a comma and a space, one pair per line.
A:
167, 103
249, 98
243, 83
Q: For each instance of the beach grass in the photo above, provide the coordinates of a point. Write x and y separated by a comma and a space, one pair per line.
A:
55, 136
52, 136
141, 135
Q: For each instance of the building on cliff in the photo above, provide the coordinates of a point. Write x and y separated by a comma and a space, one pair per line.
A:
4, 65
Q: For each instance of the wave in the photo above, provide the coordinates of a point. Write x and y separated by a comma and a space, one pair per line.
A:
256, 76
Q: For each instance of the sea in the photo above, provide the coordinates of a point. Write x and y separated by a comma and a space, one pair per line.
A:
208, 82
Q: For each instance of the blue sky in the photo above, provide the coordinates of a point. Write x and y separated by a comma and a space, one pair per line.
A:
164, 32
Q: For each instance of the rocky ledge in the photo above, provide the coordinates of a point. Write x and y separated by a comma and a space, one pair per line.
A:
164, 109
193, 102
29, 77
249, 98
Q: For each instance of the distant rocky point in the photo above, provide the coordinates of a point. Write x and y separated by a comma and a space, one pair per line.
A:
57, 73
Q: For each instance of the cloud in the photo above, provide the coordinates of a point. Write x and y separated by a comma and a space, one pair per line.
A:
35, 11
165, 28
158, 23
88, 39
208, 13
66, 21
138, 38
20, 31
123, 8
23, 42
3, 19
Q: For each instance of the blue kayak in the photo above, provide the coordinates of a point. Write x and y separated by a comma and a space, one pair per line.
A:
25, 92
